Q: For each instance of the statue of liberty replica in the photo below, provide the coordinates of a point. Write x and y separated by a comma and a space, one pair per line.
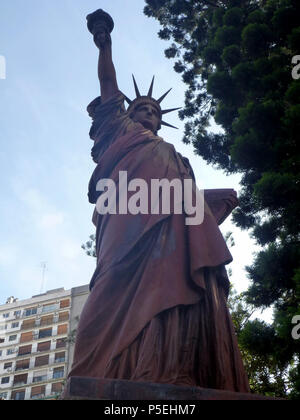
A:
157, 308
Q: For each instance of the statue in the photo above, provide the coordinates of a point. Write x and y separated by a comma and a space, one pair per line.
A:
157, 305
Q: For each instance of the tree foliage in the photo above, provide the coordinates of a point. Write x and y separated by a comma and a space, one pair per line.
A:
261, 348
235, 58
90, 246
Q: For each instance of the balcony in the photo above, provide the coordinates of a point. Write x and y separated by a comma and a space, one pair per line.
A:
38, 396
20, 368
39, 323
19, 384
61, 360
40, 379
59, 345
40, 310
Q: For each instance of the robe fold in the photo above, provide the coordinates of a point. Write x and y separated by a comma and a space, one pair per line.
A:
157, 305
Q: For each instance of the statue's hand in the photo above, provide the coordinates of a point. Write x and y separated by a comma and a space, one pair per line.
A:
102, 38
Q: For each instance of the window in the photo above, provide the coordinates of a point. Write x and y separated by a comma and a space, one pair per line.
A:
64, 303
45, 333
47, 320
28, 323
7, 365
6, 315
40, 376
58, 372
62, 329
3, 327
60, 357
5, 380
10, 351
41, 360
17, 314
57, 387
20, 379
44, 346
2, 340
12, 337
3, 395
63, 316
22, 364
15, 325
30, 311
26, 337
61, 342
18, 395
38, 391
25, 350
50, 308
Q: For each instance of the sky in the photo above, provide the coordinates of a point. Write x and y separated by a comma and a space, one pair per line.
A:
50, 77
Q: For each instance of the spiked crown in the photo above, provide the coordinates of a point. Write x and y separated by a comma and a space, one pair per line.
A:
140, 99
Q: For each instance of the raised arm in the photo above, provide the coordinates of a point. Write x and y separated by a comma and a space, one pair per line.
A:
106, 69
101, 24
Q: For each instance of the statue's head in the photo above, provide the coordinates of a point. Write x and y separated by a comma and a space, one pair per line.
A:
147, 110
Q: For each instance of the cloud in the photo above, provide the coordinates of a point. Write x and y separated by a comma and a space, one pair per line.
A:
8, 255
34, 97
50, 220
46, 233
69, 249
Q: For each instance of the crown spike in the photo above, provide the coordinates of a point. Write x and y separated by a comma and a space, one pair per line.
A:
137, 92
168, 125
129, 101
166, 111
149, 94
163, 96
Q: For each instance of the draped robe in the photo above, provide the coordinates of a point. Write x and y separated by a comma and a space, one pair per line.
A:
157, 309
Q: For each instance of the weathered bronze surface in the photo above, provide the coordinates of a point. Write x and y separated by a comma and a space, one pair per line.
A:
157, 308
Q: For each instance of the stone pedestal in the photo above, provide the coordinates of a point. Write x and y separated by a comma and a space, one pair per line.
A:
82, 388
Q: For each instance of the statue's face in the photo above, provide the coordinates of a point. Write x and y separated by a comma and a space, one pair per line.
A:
148, 116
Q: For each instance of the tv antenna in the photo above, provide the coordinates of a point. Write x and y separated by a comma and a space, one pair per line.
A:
43, 281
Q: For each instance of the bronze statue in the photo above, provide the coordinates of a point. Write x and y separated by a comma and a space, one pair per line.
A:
157, 305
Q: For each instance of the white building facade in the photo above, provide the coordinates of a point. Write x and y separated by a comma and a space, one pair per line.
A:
36, 347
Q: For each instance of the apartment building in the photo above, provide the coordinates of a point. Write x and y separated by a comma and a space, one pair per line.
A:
36, 343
